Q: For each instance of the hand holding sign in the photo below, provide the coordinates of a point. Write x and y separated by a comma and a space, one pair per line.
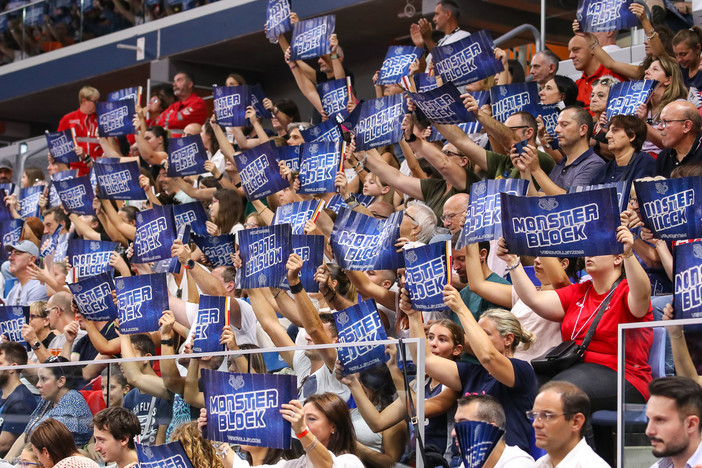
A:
294, 414
503, 253
294, 266
626, 238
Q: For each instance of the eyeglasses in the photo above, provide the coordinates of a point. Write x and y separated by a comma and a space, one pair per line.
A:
410, 217
543, 415
664, 123
449, 216
23, 463
35, 316
517, 127
48, 311
452, 153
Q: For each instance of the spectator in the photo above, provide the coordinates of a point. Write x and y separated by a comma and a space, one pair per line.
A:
115, 430
188, 108
674, 412
559, 90
560, 416
680, 128
17, 402
26, 290
53, 443
84, 122
687, 45
543, 67
446, 15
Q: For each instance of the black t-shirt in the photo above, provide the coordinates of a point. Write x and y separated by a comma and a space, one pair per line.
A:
668, 158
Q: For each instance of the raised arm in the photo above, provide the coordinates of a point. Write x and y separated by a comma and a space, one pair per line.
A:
545, 303
147, 383
169, 370
268, 320
127, 230
207, 283
308, 313
464, 144
393, 177
441, 369
492, 360
496, 293
639, 297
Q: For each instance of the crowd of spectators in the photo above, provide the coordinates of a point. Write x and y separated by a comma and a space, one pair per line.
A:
479, 347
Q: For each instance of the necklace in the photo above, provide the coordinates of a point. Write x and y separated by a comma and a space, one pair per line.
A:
576, 331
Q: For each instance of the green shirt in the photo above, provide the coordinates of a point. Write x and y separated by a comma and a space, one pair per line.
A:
435, 194
499, 166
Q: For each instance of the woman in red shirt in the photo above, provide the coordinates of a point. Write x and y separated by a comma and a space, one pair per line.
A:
576, 306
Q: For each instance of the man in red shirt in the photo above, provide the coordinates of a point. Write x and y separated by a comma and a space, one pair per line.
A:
84, 121
584, 60
189, 107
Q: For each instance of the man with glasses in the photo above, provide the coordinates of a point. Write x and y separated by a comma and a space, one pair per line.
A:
497, 164
559, 417
84, 122
680, 126
27, 289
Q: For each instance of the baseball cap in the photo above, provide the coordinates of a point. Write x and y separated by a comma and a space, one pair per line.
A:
24, 246
5, 164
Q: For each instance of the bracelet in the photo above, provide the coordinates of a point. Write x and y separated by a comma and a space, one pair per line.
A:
334, 56
653, 34
330, 299
677, 337
168, 342
631, 254
510, 268
276, 294
351, 198
220, 177
303, 433
312, 445
296, 288
221, 449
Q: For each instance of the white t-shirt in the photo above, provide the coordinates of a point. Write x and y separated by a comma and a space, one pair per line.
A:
320, 381
246, 334
514, 457
548, 333
582, 456
449, 38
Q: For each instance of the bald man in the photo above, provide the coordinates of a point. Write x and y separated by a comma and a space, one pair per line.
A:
454, 213
680, 128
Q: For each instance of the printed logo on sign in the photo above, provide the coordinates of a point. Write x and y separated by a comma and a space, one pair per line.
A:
186, 217
661, 188
457, 65
113, 119
670, 211
244, 410
73, 198
236, 382
91, 264
438, 107
277, 14
61, 146
411, 257
264, 253
92, 301
176, 461
343, 318
147, 237
556, 228
116, 183
130, 302
362, 330
604, 11
318, 168
224, 106
378, 124
509, 105
548, 204
334, 100
394, 66
253, 176
205, 317
427, 278
148, 452
184, 158
697, 250
311, 39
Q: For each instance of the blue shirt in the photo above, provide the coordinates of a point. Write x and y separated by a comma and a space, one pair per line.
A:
15, 410
640, 165
579, 172
72, 411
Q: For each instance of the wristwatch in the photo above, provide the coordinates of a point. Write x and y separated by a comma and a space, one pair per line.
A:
190, 264
411, 138
36, 345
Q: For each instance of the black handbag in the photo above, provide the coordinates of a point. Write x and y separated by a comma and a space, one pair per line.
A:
569, 353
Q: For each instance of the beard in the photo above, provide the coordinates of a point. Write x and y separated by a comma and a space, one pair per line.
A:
671, 449
4, 379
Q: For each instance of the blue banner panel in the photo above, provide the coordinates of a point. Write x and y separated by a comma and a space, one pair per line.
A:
688, 280
192, 214
377, 122
310, 37
62, 146
119, 181
443, 105
12, 319
622, 196
141, 300
605, 15
77, 195
264, 252
29, 201
259, 171
468, 60
297, 214
115, 117
90, 258
361, 242
291, 156
334, 95
155, 234
671, 208
515, 97
10, 232
186, 156
396, 64
163, 456
277, 19
572, 225
217, 249
212, 317
427, 270
484, 218
319, 163
358, 323
93, 295
326, 131
127, 93
230, 104
245, 408
626, 97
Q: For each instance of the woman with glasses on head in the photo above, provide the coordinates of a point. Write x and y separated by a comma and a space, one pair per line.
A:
598, 107
670, 88
59, 401
54, 446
